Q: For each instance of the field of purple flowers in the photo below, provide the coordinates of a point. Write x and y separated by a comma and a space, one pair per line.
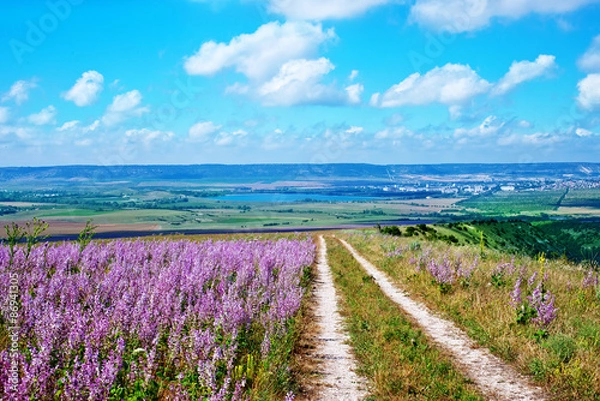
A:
134, 320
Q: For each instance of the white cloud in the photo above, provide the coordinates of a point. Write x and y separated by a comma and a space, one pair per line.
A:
322, 9
539, 139
522, 71
456, 111
259, 55
394, 133
68, 126
354, 92
84, 142
375, 97
590, 61
490, 126
147, 136
19, 91
200, 131
470, 15
582, 132
19, 132
353, 75
86, 89
238, 88
44, 117
4, 115
92, 127
124, 106
451, 84
226, 138
276, 140
589, 92
355, 130
524, 124
116, 85
299, 82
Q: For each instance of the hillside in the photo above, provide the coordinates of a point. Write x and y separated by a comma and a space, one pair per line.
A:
576, 240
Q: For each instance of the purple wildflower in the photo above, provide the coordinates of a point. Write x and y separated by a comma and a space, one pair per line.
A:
590, 280
515, 294
532, 279
543, 303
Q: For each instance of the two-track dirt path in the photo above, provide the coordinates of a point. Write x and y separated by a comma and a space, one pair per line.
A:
336, 362
496, 379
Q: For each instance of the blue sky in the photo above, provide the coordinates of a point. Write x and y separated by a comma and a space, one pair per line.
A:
316, 81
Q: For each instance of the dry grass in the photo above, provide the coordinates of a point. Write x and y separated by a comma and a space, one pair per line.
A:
565, 362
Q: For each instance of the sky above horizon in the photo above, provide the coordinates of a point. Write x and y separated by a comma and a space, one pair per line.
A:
299, 81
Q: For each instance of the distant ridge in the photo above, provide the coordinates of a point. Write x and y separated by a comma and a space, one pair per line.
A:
293, 172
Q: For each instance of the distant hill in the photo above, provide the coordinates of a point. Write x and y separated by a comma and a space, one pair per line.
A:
296, 172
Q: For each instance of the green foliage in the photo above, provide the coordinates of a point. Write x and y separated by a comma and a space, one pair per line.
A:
33, 233
525, 313
562, 347
511, 203
390, 230
414, 246
538, 368
86, 235
498, 279
14, 235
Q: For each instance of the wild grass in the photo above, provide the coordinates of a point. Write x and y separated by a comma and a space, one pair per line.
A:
562, 356
393, 354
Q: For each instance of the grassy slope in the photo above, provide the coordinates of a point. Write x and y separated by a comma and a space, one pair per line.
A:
394, 355
566, 361
575, 240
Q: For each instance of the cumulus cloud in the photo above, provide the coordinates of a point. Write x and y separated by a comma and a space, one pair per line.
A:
590, 61
69, 125
4, 114
147, 136
227, 138
525, 124
92, 127
19, 91
451, 84
19, 132
322, 9
202, 130
454, 84
124, 106
394, 133
44, 117
538, 139
353, 75
470, 15
522, 71
354, 92
582, 132
355, 130
86, 89
260, 55
489, 127
275, 60
589, 92
299, 82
